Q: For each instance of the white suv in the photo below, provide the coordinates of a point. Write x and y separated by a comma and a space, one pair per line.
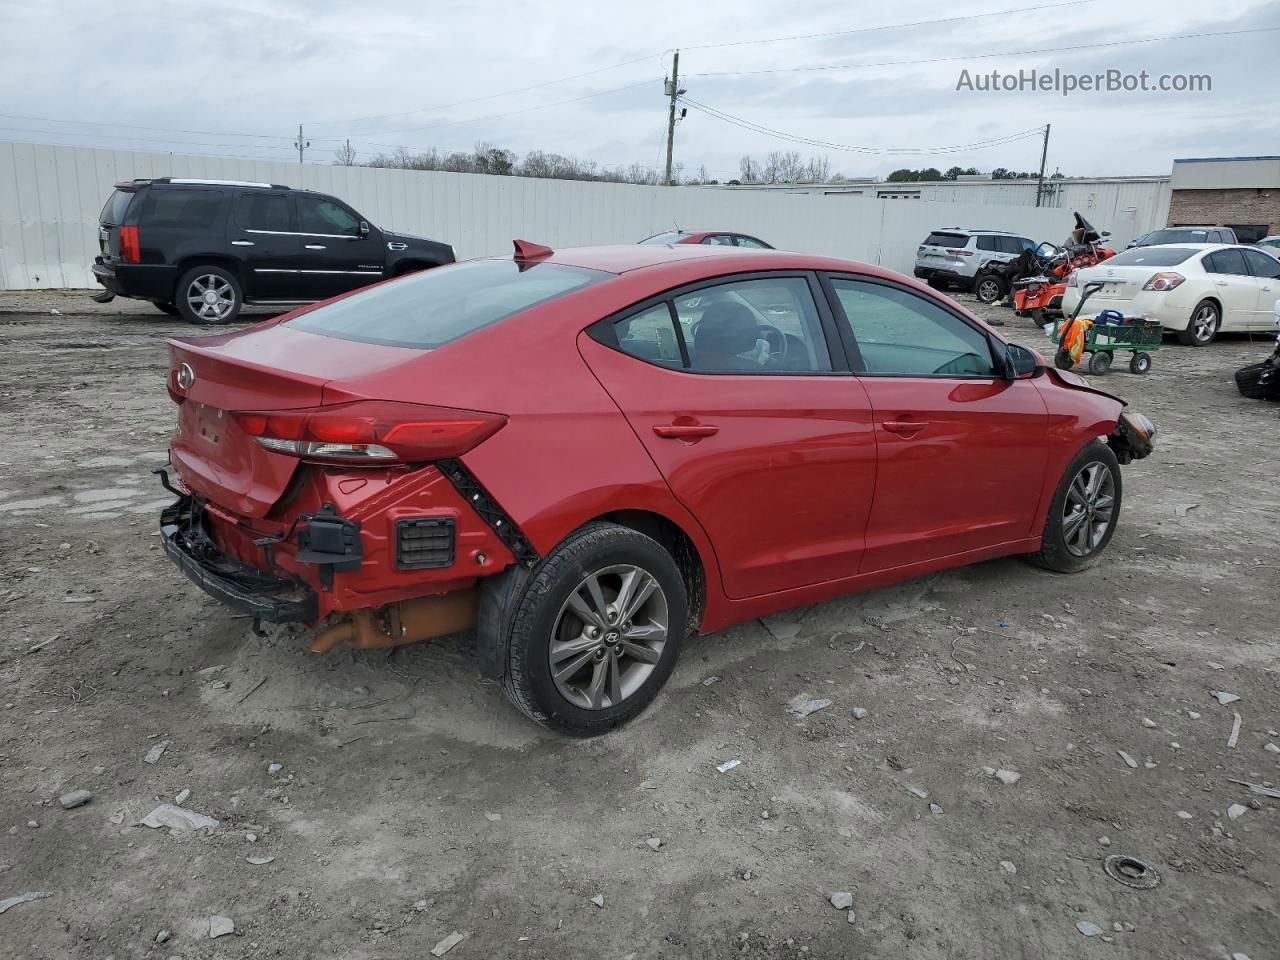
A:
953, 255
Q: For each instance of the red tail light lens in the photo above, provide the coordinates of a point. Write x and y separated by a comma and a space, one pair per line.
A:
370, 431
130, 250
956, 252
1163, 281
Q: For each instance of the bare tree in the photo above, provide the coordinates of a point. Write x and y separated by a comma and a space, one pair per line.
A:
345, 155
748, 169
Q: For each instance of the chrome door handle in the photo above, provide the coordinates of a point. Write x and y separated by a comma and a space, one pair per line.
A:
316, 246
242, 243
1221, 283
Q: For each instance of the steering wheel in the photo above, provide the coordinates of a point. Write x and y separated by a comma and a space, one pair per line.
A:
776, 339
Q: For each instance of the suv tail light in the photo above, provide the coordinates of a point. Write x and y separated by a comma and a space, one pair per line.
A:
1164, 281
370, 431
130, 250
958, 252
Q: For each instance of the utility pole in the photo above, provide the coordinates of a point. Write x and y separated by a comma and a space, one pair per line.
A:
673, 91
1044, 152
300, 143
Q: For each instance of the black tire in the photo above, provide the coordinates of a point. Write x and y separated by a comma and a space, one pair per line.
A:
542, 607
1062, 359
1140, 363
1055, 552
1099, 362
227, 287
1198, 334
168, 308
990, 288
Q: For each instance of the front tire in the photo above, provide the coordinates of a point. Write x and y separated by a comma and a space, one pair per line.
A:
990, 288
209, 295
1084, 511
1203, 326
596, 631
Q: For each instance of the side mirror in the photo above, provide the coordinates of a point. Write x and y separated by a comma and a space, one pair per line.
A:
1019, 363
364, 228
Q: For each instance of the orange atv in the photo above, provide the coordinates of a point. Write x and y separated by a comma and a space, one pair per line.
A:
1042, 294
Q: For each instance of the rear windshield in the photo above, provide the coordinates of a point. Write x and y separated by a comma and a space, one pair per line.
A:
1150, 257
673, 237
433, 307
940, 239
113, 210
1175, 236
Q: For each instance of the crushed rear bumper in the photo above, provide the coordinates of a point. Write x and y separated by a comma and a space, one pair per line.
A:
238, 585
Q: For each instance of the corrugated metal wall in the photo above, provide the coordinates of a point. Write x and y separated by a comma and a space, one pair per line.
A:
50, 197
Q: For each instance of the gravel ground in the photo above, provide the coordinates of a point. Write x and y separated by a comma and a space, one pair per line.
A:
412, 803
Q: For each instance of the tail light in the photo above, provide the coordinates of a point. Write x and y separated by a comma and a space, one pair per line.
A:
130, 250
959, 253
1164, 281
370, 431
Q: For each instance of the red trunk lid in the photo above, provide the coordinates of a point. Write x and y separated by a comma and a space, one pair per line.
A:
264, 368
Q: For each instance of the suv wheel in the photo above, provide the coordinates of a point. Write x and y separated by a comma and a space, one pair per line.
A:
989, 287
209, 295
597, 631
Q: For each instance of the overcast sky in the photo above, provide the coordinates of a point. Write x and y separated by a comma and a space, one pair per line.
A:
390, 73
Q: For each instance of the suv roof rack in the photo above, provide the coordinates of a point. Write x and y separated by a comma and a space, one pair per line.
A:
216, 183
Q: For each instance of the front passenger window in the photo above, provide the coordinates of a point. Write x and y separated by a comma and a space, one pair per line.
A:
322, 217
900, 333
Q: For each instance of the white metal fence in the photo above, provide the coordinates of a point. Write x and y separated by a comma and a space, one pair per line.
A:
50, 197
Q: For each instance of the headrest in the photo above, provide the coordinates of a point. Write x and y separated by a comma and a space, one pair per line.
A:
726, 328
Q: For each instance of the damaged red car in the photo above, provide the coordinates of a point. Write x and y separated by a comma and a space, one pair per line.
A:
587, 455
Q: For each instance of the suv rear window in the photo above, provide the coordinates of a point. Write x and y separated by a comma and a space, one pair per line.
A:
431, 308
162, 207
113, 210
940, 239
1181, 235
1150, 257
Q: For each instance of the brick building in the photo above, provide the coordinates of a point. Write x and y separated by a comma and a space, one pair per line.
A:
1238, 192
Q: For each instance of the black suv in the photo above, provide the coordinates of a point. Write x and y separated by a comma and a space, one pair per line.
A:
200, 249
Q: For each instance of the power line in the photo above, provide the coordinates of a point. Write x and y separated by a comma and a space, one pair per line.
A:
849, 148
985, 56
134, 126
889, 26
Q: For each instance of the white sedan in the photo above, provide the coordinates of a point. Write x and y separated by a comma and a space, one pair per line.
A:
1193, 289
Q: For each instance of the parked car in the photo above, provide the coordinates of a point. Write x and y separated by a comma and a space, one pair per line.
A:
954, 256
1193, 289
1270, 244
589, 453
719, 238
1167, 235
200, 249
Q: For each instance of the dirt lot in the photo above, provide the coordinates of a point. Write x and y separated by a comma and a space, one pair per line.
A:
412, 802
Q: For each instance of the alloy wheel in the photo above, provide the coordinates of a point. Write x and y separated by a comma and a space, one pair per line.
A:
988, 290
211, 297
1090, 506
1205, 323
608, 636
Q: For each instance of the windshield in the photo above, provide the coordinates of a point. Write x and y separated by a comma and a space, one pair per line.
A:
1174, 236
433, 307
1150, 257
672, 237
113, 210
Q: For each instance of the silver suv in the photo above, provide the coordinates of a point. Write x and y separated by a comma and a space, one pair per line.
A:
953, 255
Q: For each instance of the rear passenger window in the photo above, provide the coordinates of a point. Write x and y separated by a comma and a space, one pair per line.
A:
180, 208
988, 243
650, 336
754, 326
1230, 262
264, 211
900, 333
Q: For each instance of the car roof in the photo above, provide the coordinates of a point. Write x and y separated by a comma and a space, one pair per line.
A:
624, 258
1007, 233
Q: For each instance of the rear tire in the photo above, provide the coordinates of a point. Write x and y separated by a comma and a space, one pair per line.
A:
1082, 517
576, 663
1203, 325
1140, 363
209, 295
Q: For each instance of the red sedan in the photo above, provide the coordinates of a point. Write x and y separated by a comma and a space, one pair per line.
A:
713, 238
589, 454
